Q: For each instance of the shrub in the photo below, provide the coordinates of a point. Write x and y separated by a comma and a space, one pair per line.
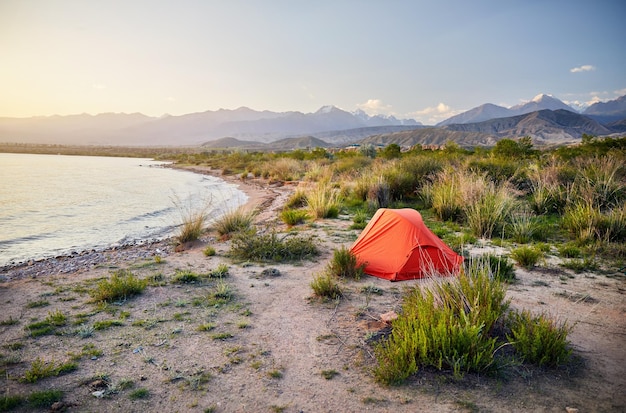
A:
445, 326
122, 285
185, 277
344, 264
209, 251
324, 286
233, 222
379, 193
56, 318
526, 256
45, 398
539, 339
271, 247
39, 369
294, 216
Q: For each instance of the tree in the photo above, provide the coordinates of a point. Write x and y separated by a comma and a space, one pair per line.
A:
391, 151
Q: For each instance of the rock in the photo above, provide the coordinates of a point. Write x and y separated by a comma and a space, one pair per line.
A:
571, 410
270, 272
99, 394
388, 317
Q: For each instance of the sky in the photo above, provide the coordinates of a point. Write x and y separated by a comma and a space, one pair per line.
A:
420, 59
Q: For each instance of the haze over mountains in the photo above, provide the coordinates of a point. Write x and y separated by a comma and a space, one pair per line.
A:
545, 118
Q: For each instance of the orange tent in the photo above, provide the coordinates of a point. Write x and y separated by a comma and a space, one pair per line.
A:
396, 245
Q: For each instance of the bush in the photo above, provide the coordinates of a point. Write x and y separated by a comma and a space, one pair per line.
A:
233, 222
445, 326
539, 339
324, 286
185, 277
344, 264
526, 256
122, 285
271, 247
209, 251
294, 216
45, 398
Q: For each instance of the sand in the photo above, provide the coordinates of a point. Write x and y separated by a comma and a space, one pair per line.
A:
274, 347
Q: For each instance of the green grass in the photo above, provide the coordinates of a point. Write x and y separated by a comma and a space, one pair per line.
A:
324, 286
106, 324
45, 398
539, 339
120, 286
344, 264
329, 374
293, 217
526, 256
272, 247
233, 222
56, 318
141, 393
220, 271
37, 304
186, 277
209, 251
446, 327
39, 370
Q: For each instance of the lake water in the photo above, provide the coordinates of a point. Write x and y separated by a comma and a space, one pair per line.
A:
54, 205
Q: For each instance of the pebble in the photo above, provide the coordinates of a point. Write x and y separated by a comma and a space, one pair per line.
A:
85, 260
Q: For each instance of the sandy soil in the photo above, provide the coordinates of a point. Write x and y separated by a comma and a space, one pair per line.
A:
268, 348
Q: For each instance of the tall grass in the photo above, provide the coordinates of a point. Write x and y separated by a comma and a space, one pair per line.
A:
192, 221
238, 220
490, 212
323, 201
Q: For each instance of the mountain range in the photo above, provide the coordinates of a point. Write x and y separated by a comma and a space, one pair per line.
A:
545, 118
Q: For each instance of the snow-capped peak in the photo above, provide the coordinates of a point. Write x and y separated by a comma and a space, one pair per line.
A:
541, 97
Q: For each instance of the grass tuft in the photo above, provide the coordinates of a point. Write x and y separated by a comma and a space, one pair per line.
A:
122, 285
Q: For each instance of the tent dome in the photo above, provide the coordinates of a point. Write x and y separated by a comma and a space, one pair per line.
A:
396, 245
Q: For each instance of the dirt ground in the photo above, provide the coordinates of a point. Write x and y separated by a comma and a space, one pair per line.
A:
273, 348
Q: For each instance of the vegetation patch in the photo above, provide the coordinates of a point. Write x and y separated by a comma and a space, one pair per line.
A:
455, 326
120, 286
272, 247
344, 264
40, 369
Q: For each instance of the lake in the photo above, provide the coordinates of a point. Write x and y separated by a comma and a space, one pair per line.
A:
53, 205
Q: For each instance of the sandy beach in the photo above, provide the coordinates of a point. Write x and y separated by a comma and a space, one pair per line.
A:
273, 347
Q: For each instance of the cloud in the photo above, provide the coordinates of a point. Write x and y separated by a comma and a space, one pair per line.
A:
434, 114
375, 107
98, 86
583, 68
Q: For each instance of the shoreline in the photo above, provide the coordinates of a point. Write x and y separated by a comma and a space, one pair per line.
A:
259, 197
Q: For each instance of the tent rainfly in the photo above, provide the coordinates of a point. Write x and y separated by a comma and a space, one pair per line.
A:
396, 245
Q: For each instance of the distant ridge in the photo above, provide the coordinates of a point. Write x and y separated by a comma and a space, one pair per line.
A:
544, 127
490, 111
